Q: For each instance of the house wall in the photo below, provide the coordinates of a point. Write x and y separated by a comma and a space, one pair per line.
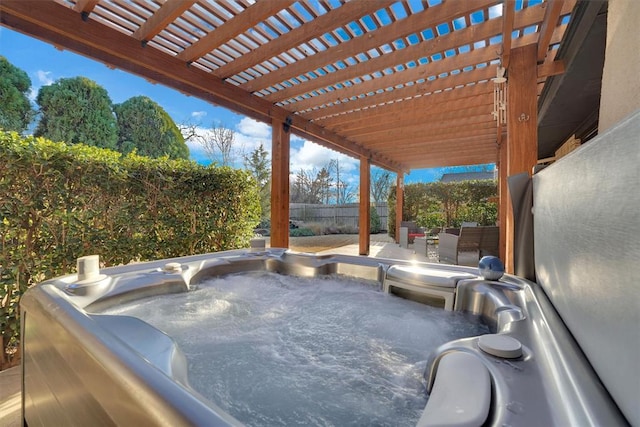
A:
620, 82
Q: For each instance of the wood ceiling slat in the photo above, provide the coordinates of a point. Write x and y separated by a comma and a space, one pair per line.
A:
441, 101
468, 151
430, 161
309, 31
552, 14
485, 147
387, 34
116, 21
413, 111
409, 75
398, 136
468, 144
165, 15
405, 92
426, 122
135, 13
240, 23
465, 140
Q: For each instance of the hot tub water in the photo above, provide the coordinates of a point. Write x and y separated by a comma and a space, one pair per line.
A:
283, 350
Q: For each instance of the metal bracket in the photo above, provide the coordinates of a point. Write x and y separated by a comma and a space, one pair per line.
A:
286, 126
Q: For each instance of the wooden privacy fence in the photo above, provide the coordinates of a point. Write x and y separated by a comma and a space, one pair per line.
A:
346, 214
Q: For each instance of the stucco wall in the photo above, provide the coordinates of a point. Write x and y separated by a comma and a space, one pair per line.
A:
621, 75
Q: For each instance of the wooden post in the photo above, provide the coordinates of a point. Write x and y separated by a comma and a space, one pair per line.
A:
279, 185
365, 205
399, 203
522, 127
503, 202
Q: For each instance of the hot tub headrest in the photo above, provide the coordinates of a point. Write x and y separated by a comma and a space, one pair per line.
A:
426, 276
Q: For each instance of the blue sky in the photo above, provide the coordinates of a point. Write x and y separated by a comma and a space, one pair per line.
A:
45, 64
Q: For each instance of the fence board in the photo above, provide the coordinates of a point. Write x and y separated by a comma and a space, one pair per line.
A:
347, 214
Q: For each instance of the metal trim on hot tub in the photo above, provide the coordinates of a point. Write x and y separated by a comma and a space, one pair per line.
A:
79, 369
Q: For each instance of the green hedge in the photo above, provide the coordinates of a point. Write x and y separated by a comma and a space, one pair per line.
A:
59, 202
446, 204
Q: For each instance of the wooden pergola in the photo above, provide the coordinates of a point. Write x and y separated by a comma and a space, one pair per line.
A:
402, 84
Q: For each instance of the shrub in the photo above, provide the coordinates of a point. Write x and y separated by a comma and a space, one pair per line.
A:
374, 221
318, 228
60, 202
439, 204
301, 232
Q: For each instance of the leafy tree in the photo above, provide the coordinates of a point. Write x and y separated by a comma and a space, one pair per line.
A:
145, 126
77, 110
438, 204
257, 164
15, 109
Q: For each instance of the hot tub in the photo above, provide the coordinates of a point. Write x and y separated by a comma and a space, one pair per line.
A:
84, 367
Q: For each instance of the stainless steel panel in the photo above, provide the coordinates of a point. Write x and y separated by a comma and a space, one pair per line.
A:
587, 247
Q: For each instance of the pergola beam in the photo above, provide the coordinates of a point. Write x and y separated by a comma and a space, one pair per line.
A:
85, 6
508, 15
551, 16
165, 15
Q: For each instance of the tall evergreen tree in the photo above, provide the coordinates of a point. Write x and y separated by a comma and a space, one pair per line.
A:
145, 126
77, 110
15, 109
258, 164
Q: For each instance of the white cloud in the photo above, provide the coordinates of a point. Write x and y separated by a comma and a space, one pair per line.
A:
198, 114
313, 156
44, 77
254, 128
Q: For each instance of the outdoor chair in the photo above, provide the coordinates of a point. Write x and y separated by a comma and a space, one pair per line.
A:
474, 241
